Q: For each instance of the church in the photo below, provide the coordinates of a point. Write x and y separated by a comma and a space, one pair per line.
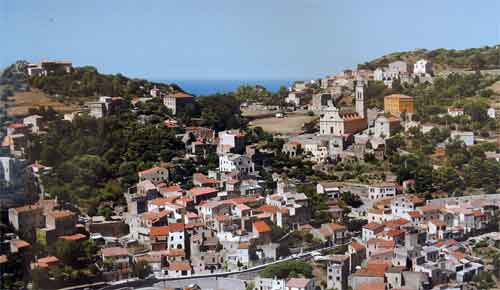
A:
336, 123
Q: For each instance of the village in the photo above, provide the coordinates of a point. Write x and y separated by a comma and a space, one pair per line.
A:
375, 233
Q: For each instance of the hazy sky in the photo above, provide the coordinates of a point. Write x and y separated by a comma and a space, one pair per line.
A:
235, 39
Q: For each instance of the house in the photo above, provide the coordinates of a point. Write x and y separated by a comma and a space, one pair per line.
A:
155, 174
46, 262
262, 230
396, 104
493, 112
199, 194
422, 68
334, 233
331, 189
455, 112
466, 137
231, 141
117, 259
177, 101
34, 122
337, 272
169, 237
231, 162
179, 269
385, 127
300, 284
371, 230
27, 218
381, 190
373, 274
269, 283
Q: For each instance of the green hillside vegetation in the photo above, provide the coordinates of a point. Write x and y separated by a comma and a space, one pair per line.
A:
487, 57
86, 82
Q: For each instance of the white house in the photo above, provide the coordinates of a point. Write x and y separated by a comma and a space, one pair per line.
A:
386, 126
300, 284
492, 112
381, 190
455, 112
422, 67
230, 162
269, 283
332, 189
466, 136
34, 122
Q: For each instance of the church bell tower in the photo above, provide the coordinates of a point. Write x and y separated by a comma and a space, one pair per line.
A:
360, 97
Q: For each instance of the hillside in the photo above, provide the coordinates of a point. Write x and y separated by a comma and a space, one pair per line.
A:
487, 57
81, 84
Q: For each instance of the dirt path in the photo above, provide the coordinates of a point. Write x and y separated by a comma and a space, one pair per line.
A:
291, 124
19, 104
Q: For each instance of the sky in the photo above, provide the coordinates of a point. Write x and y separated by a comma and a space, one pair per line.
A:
237, 39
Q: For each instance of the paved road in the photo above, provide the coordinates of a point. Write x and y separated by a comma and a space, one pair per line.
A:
204, 283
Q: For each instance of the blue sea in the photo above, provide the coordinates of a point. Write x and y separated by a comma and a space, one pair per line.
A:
208, 87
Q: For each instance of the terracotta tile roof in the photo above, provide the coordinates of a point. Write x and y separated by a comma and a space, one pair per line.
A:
261, 227
414, 214
398, 96
27, 208
179, 266
155, 216
198, 191
357, 246
114, 252
381, 243
164, 230
16, 126
57, 214
373, 226
47, 260
180, 95
447, 243
151, 170
394, 233
371, 286
172, 188
202, 178
174, 253
298, 282
268, 208
336, 227
163, 200
438, 223
243, 245
397, 222
19, 244
458, 255
75, 237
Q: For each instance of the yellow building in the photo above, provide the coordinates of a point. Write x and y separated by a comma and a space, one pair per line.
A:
397, 104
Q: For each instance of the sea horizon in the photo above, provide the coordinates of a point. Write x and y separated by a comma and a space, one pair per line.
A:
203, 87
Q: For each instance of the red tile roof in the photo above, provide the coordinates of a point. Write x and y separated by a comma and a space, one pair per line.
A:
114, 252
298, 282
61, 214
198, 191
179, 266
164, 230
75, 237
261, 227
373, 226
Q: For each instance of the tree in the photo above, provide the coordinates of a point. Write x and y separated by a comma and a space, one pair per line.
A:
447, 179
141, 269
284, 270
